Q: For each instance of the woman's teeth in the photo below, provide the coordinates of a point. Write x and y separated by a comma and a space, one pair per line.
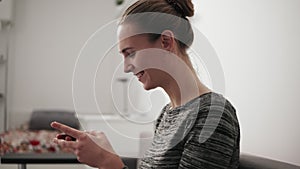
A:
140, 74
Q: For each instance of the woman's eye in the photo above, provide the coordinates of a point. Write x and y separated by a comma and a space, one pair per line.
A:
131, 54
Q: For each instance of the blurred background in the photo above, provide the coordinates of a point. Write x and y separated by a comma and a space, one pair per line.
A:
257, 43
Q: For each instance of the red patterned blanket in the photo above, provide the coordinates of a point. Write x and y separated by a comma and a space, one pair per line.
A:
24, 141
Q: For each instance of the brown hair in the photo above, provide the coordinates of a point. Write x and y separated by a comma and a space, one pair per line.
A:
178, 23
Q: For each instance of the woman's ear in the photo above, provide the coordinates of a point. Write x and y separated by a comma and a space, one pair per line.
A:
167, 40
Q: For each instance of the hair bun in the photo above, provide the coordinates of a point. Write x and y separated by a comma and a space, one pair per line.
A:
187, 7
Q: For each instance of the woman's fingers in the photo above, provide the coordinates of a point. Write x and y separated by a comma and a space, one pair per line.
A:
65, 144
67, 130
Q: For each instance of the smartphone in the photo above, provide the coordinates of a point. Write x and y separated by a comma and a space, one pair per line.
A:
65, 137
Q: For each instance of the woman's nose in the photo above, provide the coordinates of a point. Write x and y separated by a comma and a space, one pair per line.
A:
128, 68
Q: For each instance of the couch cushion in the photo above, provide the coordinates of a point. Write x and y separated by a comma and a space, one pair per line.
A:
41, 119
254, 162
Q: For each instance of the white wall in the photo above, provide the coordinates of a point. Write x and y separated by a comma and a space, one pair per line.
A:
47, 36
257, 42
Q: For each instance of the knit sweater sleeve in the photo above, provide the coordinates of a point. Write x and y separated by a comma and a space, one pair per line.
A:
213, 141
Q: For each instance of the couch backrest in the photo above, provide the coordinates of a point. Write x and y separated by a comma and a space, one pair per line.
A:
254, 162
41, 119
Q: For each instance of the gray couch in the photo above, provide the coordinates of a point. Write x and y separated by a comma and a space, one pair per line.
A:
246, 162
255, 162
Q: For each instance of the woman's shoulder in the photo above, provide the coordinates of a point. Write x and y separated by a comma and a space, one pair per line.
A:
215, 115
209, 109
208, 103
218, 106
211, 102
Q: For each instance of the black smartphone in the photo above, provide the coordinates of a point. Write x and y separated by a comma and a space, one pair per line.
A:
65, 137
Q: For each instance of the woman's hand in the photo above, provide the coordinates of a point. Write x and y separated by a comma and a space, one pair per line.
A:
91, 148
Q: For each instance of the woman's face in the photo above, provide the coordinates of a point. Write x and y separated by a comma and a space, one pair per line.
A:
137, 51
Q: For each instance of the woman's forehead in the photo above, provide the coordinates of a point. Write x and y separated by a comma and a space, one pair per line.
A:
134, 42
126, 30
129, 30
129, 36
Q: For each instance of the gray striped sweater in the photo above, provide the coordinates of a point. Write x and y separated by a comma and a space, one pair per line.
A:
202, 134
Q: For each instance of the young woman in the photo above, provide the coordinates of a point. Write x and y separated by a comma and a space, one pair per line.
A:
198, 128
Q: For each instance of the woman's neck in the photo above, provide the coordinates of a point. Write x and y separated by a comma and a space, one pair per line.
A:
182, 84
185, 90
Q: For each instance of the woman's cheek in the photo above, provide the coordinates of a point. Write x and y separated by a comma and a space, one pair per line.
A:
148, 58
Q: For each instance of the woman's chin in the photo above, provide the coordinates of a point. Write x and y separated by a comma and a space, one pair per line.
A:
149, 87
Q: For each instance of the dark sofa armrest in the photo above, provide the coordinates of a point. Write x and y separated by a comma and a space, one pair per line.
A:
246, 162
131, 163
254, 162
